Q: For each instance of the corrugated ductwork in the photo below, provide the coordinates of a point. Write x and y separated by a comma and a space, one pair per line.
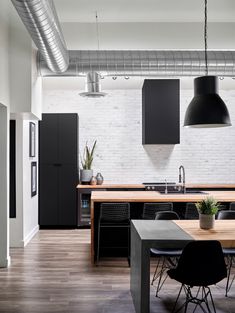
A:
146, 63
41, 21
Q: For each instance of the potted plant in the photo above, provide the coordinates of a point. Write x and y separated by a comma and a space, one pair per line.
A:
86, 172
207, 208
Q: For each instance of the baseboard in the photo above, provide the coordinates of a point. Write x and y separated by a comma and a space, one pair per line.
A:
6, 262
30, 235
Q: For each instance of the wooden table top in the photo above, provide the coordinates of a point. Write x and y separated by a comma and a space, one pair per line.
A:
224, 231
154, 196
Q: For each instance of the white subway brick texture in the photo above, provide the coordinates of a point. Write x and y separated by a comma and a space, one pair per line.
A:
115, 121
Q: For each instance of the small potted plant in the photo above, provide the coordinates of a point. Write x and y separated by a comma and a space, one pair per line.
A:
207, 208
86, 172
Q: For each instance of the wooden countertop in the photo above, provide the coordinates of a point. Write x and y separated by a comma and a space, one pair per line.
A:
204, 186
110, 185
154, 196
113, 185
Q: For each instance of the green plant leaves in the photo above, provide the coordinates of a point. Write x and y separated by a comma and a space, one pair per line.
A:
87, 158
208, 206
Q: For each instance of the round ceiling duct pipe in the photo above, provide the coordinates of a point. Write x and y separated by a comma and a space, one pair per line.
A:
92, 87
145, 63
41, 21
206, 109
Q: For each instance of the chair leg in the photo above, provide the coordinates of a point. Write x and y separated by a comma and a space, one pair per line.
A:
229, 267
155, 275
176, 301
205, 293
161, 280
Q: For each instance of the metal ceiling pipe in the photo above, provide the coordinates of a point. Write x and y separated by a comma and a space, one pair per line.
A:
145, 63
41, 21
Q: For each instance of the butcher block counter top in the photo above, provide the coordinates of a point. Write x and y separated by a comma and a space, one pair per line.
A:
155, 196
140, 186
110, 185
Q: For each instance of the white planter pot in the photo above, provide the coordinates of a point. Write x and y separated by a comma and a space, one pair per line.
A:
85, 176
207, 221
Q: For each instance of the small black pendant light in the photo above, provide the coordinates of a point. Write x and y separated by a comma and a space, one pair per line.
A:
206, 109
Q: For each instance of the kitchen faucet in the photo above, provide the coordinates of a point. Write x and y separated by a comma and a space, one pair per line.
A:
166, 190
182, 179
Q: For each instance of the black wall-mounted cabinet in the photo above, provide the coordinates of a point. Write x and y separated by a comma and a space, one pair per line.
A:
58, 171
160, 111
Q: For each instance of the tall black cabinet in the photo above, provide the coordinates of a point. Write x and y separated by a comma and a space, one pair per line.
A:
58, 169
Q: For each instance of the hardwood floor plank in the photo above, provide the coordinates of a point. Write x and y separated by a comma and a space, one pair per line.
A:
53, 274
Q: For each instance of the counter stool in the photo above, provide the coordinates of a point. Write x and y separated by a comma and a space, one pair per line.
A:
232, 206
150, 209
191, 212
114, 215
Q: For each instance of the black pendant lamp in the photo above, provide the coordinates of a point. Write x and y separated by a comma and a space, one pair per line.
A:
206, 109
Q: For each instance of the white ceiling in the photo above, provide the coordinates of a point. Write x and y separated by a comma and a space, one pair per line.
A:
144, 10
135, 35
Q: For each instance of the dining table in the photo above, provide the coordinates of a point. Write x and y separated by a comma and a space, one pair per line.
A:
147, 234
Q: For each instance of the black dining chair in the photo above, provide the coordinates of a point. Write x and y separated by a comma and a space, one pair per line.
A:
200, 265
150, 209
114, 215
167, 258
228, 253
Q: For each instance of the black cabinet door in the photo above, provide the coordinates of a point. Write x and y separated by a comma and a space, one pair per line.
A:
68, 179
48, 197
68, 139
58, 170
48, 139
160, 111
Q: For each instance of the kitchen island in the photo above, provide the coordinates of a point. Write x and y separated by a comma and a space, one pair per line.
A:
137, 198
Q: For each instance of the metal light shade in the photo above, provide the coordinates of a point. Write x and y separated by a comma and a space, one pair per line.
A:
206, 109
93, 88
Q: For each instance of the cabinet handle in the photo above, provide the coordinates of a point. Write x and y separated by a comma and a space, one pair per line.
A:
57, 164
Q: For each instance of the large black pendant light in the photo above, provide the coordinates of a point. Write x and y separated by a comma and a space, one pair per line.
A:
206, 109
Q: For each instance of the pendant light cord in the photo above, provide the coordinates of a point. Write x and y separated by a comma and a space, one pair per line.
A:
205, 38
97, 30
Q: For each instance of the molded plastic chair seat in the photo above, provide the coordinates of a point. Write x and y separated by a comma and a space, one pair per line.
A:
226, 215
201, 264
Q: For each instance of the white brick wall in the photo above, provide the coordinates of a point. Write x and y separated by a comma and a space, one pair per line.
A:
115, 121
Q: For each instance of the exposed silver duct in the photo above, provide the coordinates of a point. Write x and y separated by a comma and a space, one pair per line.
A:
41, 21
93, 87
145, 63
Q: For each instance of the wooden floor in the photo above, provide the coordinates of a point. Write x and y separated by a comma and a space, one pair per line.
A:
53, 274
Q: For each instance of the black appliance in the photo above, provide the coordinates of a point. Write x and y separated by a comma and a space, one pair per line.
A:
160, 186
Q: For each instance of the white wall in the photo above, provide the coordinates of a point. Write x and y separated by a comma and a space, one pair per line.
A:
25, 98
4, 135
115, 121
25, 84
25, 225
